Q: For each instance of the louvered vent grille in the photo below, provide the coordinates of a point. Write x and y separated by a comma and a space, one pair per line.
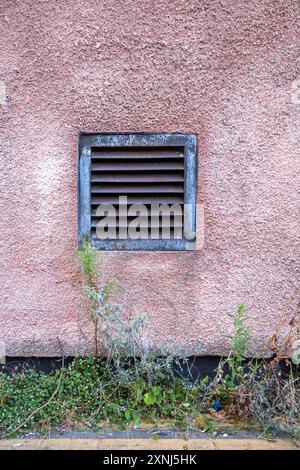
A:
146, 175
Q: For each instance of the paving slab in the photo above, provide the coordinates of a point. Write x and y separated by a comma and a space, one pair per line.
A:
148, 444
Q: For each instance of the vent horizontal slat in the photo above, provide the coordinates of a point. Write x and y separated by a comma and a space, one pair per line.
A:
137, 177
153, 224
136, 188
171, 237
142, 154
132, 166
117, 212
157, 199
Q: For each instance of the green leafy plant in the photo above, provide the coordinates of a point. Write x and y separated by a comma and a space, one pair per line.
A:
96, 289
153, 396
209, 424
86, 258
239, 345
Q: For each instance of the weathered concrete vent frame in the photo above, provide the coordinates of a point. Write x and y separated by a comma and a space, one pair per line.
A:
148, 140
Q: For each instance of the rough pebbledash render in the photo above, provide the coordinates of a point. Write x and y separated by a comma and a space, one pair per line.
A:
224, 70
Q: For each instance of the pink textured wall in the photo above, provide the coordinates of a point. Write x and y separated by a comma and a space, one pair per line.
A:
222, 69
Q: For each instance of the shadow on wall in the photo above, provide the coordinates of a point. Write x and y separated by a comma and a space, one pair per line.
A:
197, 367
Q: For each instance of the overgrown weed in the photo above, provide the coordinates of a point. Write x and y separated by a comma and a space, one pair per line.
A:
130, 379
